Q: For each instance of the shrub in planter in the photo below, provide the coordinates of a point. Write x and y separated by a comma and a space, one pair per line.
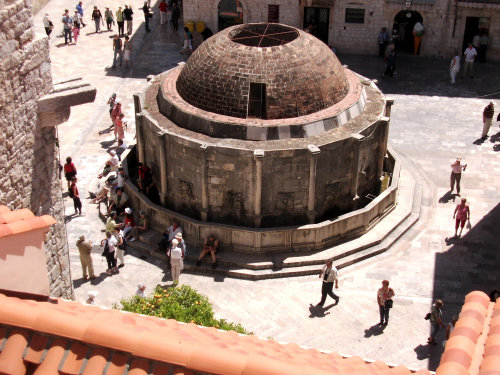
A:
181, 303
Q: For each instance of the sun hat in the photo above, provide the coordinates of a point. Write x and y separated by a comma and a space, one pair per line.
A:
112, 152
179, 235
128, 210
92, 294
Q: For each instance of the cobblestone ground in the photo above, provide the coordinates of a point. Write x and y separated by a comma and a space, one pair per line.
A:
432, 122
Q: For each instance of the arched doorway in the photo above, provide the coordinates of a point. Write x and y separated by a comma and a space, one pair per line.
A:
230, 13
403, 24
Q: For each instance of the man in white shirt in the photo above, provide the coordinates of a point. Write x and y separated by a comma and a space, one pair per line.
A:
456, 174
454, 67
329, 275
470, 55
141, 288
111, 165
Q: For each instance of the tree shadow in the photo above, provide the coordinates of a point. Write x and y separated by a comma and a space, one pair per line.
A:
448, 196
319, 311
375, 330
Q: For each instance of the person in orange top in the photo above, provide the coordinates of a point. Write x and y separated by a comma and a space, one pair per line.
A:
69, 171
76, 196
119, 126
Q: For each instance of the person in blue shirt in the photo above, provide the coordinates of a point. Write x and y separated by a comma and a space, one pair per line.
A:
383, 38
189, 40
79, 9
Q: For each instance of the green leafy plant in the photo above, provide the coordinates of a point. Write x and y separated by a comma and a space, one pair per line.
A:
181, 303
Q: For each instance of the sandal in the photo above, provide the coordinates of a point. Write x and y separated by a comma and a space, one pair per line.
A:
108, 272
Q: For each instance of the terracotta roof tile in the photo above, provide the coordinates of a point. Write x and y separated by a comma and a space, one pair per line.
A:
50, 364
14, 222
118, 365
11, 358
74, 360
37, 346
89, 340
97, 362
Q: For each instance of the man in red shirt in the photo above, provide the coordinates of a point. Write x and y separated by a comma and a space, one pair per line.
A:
145, 178
163, 11
76, 197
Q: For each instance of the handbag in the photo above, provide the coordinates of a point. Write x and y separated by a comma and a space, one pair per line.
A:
388, 304
106, 249
150, 15
428, 316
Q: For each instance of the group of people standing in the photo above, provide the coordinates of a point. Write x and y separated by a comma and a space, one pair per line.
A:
475, 49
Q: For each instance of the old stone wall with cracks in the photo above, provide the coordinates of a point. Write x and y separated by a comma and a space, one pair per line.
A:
29, 154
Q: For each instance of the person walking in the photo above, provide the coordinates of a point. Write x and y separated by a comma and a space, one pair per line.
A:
85, 249
108, 14
109, 244
451, 326
76, 32
121, 246
120, 21
436, 316
390, 65
384, 299
117, 51
67, 21
484, 40
470, 54
188, 42
456, 174
163, 11
488, 113
175, 254
97, 17
383, 38
47, 23
127, 51
73, 193
329, 275
169, 10
128, 16
79, 9
462, 212
176, 13
147, 15
77, 20
454, 67
69, 170
141, 289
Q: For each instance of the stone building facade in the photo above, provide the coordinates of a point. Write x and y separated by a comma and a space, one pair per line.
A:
29, 153
352, 26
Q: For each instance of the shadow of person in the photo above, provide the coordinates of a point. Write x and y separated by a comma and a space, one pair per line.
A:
374, 330
447, 197
496, 148
107, 144
479, 141
422, 352
319, 311
495, 138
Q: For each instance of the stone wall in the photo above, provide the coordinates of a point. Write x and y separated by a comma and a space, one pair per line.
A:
444, 22
28, 153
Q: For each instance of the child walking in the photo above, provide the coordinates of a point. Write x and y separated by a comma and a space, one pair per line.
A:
76, 32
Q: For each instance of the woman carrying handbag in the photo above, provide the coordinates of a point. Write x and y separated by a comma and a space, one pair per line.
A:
384, 299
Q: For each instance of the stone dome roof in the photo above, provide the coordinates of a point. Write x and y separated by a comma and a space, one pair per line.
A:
281, 71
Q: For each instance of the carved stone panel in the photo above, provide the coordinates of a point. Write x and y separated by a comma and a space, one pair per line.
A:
185, 189
332, 192
284, 201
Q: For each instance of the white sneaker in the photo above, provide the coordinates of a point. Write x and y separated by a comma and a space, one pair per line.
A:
132, 239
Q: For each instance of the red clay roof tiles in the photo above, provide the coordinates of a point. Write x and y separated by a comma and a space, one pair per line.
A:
14, 222
89, 340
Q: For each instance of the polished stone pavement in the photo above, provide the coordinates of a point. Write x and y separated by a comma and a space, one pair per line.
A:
432, 122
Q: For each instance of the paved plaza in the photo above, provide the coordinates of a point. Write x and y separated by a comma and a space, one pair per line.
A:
432, 123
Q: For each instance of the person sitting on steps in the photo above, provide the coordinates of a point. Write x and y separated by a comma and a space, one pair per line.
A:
209, 246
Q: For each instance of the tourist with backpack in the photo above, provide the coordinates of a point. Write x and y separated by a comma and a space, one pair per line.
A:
109, 252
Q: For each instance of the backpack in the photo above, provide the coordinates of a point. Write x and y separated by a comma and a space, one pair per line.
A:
125, 244
71, 192
106, 249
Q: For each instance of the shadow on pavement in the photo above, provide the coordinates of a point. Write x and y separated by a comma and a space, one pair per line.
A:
375, 330
471, 264
319, 311
448, 197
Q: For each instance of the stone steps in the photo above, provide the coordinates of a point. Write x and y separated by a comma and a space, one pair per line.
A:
265, 266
